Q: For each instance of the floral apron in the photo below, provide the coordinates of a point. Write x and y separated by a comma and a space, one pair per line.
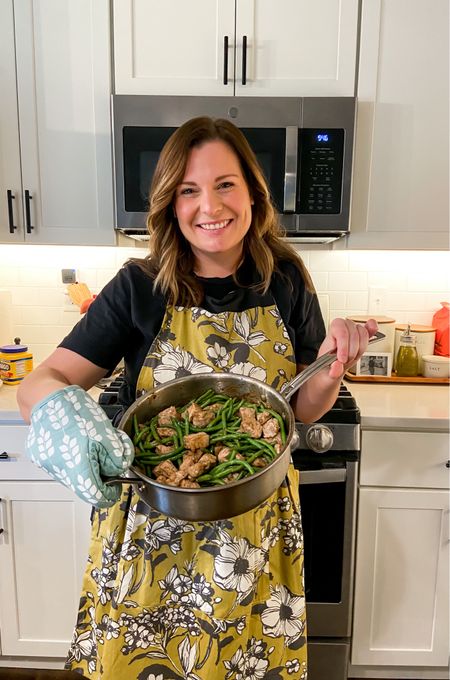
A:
169, 599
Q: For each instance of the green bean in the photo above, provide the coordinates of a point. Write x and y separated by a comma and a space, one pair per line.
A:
280, 422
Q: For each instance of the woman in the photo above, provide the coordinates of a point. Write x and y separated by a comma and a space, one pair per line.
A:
221, 291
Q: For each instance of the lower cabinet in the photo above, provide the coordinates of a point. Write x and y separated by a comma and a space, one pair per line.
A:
401, 613
43, 549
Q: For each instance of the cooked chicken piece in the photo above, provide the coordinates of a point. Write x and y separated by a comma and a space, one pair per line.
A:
271, 428
189, 484
223, 454
165, 469
204, 464
199, 417
165, 431
213, 407
189, 459
162, 449
165, 417
276, 442
249, 424
198, 440
259, 462
263, 417
231, 478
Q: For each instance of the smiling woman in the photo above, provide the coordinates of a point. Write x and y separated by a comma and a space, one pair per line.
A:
220, 291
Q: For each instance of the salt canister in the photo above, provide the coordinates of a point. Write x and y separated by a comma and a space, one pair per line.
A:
15, 363
425, 336
386, 325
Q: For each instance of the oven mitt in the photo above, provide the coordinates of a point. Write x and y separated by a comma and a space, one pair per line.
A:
71, 438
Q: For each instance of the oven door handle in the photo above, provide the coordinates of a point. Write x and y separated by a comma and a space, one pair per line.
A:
323, 476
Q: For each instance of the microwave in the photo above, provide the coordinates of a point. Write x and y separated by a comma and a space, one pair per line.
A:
304, 146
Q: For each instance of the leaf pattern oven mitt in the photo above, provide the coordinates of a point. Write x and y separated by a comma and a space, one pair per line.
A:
71, 438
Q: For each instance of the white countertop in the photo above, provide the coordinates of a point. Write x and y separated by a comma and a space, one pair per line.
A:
402, 406
381, 405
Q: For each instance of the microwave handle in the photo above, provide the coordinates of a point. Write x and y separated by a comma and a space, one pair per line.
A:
290, 174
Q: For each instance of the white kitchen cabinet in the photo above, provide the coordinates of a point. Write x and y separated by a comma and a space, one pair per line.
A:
43, 551
300, 48
401, 611
401, 169
55, 130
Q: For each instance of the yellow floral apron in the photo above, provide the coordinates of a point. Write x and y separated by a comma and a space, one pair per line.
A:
165, 599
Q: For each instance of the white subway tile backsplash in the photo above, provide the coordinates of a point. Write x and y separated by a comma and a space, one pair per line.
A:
415, 284
348, 281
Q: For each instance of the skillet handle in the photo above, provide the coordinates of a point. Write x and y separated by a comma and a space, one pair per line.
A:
326, 359
122, 480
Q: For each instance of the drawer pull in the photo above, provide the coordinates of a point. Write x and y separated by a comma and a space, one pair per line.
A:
4, 456
447, 464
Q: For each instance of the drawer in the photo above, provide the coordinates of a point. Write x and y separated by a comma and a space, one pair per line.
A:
404, 458
17, 466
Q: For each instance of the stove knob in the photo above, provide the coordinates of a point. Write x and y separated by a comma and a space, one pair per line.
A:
319, 438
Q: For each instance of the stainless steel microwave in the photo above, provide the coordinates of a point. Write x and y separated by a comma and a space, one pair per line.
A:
304, 145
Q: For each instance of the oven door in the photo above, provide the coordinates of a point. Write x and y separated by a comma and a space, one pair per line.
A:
328, 509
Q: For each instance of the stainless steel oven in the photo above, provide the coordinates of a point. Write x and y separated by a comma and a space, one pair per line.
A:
327, 459
304, 146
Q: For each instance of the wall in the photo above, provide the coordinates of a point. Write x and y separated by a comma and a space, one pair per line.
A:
414, 284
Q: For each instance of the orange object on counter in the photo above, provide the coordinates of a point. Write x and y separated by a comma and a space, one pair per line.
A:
15, 363
86, 304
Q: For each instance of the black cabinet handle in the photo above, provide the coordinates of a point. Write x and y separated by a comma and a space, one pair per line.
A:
4, 456
225, 60
28, 198
1, 531
11, 197
244, 60
447, 465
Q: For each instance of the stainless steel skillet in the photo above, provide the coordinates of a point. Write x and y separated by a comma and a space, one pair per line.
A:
235, 498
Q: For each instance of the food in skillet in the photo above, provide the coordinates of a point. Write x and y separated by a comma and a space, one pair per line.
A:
212, 440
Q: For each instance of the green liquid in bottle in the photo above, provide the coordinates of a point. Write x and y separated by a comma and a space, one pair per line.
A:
407, 362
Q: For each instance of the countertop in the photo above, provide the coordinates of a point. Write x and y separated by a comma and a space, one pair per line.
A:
382, 406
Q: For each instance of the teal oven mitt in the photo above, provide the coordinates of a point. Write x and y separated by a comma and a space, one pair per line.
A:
71, 438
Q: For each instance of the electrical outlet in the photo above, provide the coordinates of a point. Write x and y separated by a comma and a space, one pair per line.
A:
377, 300
69, 275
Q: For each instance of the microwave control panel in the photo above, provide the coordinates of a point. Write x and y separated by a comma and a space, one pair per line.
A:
321, 160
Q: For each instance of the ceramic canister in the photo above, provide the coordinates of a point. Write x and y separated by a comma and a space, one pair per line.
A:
425, 336
386, 325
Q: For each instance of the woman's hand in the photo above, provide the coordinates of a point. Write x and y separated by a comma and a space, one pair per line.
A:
350, 341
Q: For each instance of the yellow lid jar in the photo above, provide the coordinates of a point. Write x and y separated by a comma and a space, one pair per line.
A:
15, 363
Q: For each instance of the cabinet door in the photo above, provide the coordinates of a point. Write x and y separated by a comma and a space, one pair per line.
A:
10, 177
307, 48
43, 550
63, 86
173, 47
402, 570
401, 171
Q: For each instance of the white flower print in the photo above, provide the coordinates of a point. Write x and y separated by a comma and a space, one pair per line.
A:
279, 347
279, 321
238, 565
284, 615
218, 355
292, 666
242, 326
247, 368
284, 504
177, 363
155, 534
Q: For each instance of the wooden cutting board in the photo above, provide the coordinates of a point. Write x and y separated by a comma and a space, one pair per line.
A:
78, 293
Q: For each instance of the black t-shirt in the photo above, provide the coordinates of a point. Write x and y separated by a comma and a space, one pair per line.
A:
126, 316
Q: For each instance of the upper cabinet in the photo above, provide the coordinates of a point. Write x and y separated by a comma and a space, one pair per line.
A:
55, 131
235, 47
401, 169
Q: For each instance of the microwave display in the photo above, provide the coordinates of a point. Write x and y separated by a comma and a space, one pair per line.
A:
321, 154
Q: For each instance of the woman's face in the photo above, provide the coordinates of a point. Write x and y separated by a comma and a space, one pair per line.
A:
213, 207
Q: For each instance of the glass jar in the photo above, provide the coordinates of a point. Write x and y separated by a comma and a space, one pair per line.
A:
407, 361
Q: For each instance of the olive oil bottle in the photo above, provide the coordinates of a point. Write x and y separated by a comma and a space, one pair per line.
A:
407, 363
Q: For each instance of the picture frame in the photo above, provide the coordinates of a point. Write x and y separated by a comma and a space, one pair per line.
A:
375, 364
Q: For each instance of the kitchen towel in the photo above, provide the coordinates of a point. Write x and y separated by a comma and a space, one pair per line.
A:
6, 331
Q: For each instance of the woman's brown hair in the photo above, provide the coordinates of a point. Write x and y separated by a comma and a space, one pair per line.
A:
171, 261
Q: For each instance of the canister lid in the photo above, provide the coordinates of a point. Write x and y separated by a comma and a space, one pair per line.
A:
415, 328
362, 318
13, 349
